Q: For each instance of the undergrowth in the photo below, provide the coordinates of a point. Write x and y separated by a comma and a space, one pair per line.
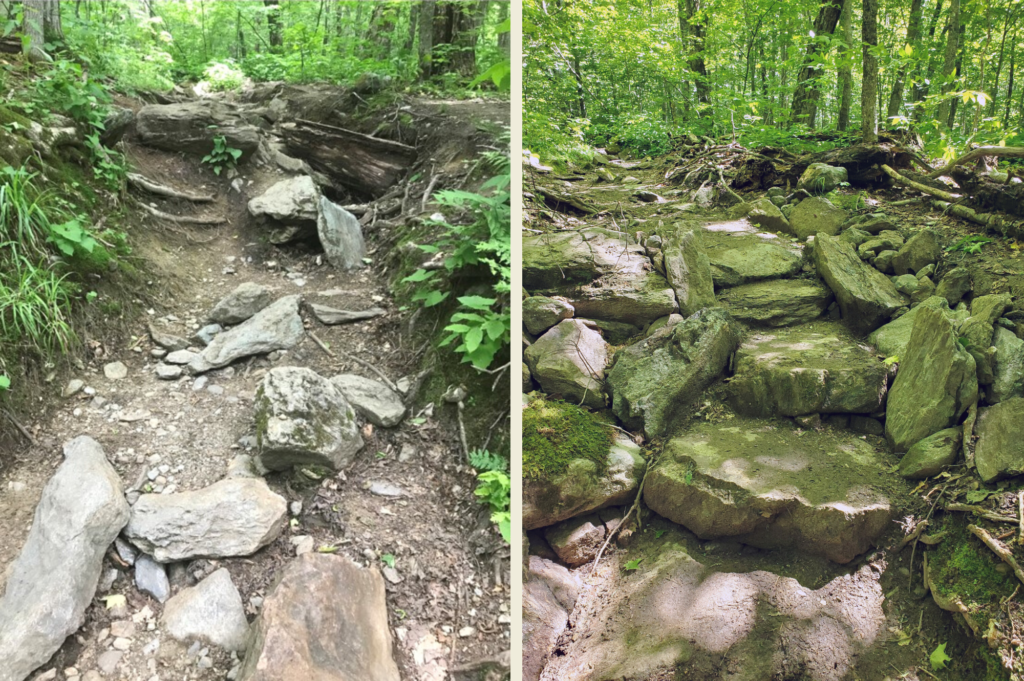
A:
555, 433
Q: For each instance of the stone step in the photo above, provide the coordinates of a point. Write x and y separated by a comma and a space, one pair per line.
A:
740, 254
783, 302
763, 483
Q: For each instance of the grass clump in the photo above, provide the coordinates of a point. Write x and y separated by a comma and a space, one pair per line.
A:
556, 432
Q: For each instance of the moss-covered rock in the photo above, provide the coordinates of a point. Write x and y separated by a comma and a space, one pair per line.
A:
738, 256
892, 339
929, 456
921, 250
1000, 449
688, 270
569, 361
777, 303
816, 215
866, 297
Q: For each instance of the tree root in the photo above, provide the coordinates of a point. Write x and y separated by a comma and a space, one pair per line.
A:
981, 513
999, 549
162, 190
947, 204
182, 219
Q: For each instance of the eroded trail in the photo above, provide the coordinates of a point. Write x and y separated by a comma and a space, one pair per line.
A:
173, 418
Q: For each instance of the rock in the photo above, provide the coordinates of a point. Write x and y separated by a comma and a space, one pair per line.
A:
921, 250
742, 258
866, 425
925, 290
541, 313
302, 418
562, 259
648, 197
657, 379
664, 322
151, 578
812, 421
855, 237
232, 517
115, 371
54, 578
569, 360
549, 595
1008, 367
999, 452
935, 385
205, 335
926, 271
291, 201
211, 612
302, 635
872, 223
192, 126
932, 454
761, 486
331, 316
168, 372
242, 303
767, 216
776, 303
865, 296
341, 236
576, 541
581, 490
883, 261
115, 124
906, 284
816, 215
73, 387
978, 330
688, 270
108, 661
276, 327
796, 371
615, 333
636, 300
181, 357
821, 178
870, 248
377, 402
954, 285
605, 174
527, 379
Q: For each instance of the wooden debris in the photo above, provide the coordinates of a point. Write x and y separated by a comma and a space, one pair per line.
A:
999, 549
559, 201
982, 512
1013, 152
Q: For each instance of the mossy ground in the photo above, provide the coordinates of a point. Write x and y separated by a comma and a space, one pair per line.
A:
965, 568
556, 432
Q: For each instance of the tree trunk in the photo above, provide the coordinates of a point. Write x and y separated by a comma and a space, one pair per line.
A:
274, 22
414, 15
1009, 85
426, 30
999, 64
41, 21
805, 99
466, 28
984, 59
693, 26
913, 40
869, 86
949, 60
921, 84
845, 75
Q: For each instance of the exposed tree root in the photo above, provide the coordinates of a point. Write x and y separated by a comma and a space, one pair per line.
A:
183, 219
999, 549
148, 185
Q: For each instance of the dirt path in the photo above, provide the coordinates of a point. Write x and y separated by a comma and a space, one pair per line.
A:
448, 593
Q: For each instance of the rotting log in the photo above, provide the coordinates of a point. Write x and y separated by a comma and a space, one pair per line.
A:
988, 194
368, 166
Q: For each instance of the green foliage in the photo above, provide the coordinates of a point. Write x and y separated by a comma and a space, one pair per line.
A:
555, 433
633, 564
938, 658
484, 461
223, 155
969, 244
72, 239
220, 76
495, 489
645, 137
962, 567
388, 559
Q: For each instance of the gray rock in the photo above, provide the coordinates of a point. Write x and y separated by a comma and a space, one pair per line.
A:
205, 335
341, 235
576, 541
386, 489
181, 357
616, 333
796, 371
865, 296
999, 452
108, 661
151, 578
776, 303
561, 259
168, 372
115, 124
925, 290
762, 486
245, 301
954, 285
232, 517
166, 340
541, 313
935, 385
921, 250
816, 215
291, 201
302, 635
767, 216
192, 126
1008, 366
377, 402
211, 612
81, 510
866, 425
871, 223
688, 270
855, 237
628, 299
664, 322
883, 261
569, 360
906, 284
527, 379
302, 418
73, 387
978, 330
872, 247
742, 258
931, 455
926, 271
821, 178
277, 327
544, 617
115, 371
331, 316
656, 380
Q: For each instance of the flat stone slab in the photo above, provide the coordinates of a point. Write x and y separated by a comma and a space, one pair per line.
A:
811, 369
381, 405
275, 327
866, 297
777, 303
739, 254
563, 259
211, 612
756, 482
331, 316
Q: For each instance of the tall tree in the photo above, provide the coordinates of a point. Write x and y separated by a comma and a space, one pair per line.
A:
426, 46
693, 20
949, 59
913, 43
805, 99
41, 19
274, 22
869, 80
845, 72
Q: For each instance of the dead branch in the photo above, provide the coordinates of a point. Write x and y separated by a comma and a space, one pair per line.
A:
1013, 152
999, 549
907, 182
162, 190
981, 513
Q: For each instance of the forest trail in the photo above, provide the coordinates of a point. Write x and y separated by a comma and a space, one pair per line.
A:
772, 540
403, 507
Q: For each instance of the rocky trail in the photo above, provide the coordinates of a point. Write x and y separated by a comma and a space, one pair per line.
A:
801, 430
261, 479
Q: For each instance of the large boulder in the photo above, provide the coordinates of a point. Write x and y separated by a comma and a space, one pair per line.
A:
816, 215
211, 612
341, 236
740, 257
549, 595
657, 379
688, 270
921, 250
192, 126
301, 634
378, 403
54, 578
1008, 366
241, 304
797, 371
866, 297
935, 385
540, 313
569, 360
999, 452
627, 299
978, 330
777, 303
954, 285
302, 418
232, 517
892, 339
932, 454
276, 327
581, 489
291, 201
762, 486
821, 178
564, 259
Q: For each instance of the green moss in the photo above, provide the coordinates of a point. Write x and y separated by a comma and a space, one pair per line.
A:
963, 567
556, 432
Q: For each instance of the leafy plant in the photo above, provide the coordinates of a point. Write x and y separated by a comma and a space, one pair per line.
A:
388, 559
223, 75
223, 155
72, 239
658, 533
495, 489
969, 244
484, 461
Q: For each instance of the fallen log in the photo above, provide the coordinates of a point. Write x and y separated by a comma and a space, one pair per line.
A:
1011, 152
369, 166
989, 194
148, 185
949, 203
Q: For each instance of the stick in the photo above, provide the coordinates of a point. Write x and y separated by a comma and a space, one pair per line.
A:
978, 153
972, 416
163, 190
372, 368
182, 219
910, 582
938, 193
1020, 510
999, 550
981, 513
426, 194
635, 506
323, 346
21, 428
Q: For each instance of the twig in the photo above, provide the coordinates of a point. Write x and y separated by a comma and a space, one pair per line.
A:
426, 194
634, 507
372, 368
999, 550
323, 346
978, 153
910, 582
1020, 510
181, 218
21, 428
981, 513
462, 431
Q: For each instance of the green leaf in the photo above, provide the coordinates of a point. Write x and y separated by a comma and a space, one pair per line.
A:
632, 564
435, 297
235, 153
477, 302
658, 533
418, 421
978, 496
388, 559
5, 382
473, 338
420, 275
938, 658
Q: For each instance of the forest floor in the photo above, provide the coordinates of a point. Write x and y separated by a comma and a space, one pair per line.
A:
915, 625
448, 597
